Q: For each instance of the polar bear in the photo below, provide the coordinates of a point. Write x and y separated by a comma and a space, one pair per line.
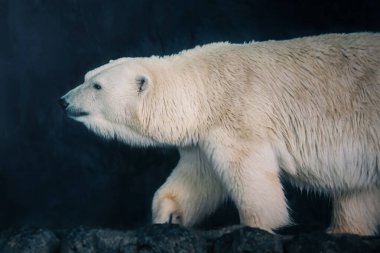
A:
242, 115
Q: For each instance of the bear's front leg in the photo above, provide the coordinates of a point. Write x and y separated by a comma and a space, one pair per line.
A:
191, 192
250, 173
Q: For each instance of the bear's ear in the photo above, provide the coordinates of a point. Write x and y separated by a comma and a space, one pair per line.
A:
142, 83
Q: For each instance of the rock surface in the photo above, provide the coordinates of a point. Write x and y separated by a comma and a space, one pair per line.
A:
173, 238
28, 240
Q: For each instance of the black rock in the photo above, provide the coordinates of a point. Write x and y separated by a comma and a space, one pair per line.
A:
321, 242
248, 240
153, 238
88, 240
167, 238
28, 240
173, 238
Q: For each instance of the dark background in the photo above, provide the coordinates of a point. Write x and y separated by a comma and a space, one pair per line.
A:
56, 174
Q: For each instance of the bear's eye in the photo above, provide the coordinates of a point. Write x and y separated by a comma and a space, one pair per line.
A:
97, 86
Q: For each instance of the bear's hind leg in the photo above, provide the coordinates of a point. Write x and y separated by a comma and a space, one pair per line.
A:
356, 212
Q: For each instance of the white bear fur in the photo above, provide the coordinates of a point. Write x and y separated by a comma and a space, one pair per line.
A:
244, 114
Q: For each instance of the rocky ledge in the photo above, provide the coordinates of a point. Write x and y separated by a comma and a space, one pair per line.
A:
172, 238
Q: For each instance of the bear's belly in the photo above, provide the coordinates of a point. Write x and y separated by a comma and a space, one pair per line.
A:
334, 172
324, 157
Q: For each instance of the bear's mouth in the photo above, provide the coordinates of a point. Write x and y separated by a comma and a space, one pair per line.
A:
76, 113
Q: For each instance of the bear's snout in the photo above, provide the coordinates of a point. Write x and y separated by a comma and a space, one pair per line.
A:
71, 111
63, 102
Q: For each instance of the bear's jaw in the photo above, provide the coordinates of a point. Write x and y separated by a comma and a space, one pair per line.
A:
115, 131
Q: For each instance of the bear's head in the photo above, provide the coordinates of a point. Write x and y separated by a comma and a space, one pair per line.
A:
134, 101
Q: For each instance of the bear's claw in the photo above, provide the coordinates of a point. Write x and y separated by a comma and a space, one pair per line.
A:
166, 210
170, 218
174, 219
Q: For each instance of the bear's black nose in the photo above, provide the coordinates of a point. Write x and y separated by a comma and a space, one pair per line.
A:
64, 104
